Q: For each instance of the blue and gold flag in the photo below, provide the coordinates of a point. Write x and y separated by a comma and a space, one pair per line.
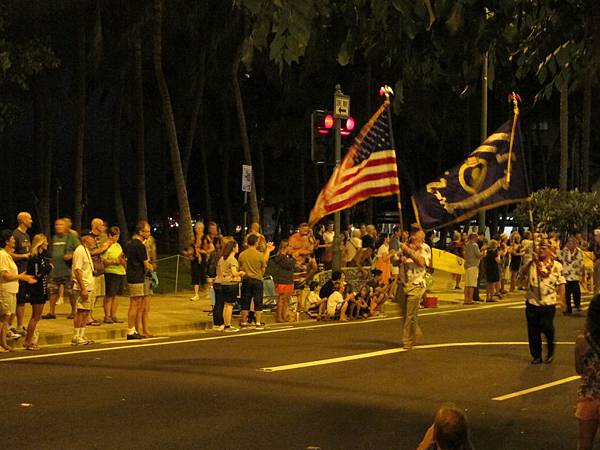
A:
493, 175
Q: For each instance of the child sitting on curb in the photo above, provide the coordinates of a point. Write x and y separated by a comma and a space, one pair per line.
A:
315, 304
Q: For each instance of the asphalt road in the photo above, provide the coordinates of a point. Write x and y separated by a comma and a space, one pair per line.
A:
209, 391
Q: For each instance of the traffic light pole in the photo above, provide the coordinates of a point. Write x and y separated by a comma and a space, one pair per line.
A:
337, 241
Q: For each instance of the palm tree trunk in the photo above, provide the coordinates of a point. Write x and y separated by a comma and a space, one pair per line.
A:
185, 216
116, 154
225, 188
138, 107
564, 136
587, 131
239, 104
196, 112
80, 140
46, 179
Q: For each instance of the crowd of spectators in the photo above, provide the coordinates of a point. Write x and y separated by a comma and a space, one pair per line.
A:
83, 269
501, 263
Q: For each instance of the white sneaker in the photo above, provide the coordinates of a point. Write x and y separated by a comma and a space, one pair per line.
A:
219, 328
231, 329
81, 341
12, 336
195, 298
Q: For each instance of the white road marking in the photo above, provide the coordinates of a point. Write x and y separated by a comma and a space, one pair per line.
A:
241, 335
536, 388
125, 341
341, 359
524, 306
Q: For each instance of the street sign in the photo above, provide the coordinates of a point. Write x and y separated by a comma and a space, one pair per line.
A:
342, 106
246, 178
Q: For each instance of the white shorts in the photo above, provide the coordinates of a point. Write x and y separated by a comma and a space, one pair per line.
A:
99, 287
8, 303
471, 275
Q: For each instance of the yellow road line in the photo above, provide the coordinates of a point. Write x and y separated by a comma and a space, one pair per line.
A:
541, 387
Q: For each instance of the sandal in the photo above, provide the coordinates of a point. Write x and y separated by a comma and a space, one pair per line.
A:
31, 347
93, 323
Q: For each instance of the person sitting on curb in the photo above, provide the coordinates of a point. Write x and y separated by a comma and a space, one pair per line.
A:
337, 302
359, 305
450, 431
314, 302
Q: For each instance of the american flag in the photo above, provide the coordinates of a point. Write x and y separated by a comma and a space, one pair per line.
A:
368, 169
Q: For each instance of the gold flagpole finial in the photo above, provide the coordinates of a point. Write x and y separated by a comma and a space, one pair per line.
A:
387, 91
515, 99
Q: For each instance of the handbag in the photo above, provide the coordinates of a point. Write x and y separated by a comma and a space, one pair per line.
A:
98, 265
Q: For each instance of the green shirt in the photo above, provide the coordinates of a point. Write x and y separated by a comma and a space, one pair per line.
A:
112, 254
61, 246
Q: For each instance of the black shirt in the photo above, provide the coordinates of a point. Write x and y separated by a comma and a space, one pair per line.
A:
39, 266
22, 246
368, 241
327, 289
136, 254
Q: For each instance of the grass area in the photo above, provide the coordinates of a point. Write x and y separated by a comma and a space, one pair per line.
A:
167, 272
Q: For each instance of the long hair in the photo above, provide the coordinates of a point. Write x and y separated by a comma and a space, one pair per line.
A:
38, 241
592, 323
228, 249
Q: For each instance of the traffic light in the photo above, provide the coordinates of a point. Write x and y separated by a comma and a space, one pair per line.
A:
322, 136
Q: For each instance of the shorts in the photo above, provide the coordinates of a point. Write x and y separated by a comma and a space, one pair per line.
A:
81, 304
114, 284
252, 289
284, 288
55, 283
471, 275
23, 294
99, 286
140, 289
588, 409
230, 292
8, 303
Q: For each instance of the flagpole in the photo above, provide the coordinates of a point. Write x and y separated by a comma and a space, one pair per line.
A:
387, 91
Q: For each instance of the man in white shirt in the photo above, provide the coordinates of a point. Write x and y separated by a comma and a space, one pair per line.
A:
83, 286
545, 289
353, 246
416, 258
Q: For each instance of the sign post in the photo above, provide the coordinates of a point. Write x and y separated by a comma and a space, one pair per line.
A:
246, 187
341, 111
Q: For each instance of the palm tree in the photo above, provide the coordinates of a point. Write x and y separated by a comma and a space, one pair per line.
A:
185, 217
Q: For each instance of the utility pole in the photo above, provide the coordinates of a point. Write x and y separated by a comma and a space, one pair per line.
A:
341, 110
484, 111
337, 225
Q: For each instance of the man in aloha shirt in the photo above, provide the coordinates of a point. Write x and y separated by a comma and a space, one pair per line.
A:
571, 258
546, 289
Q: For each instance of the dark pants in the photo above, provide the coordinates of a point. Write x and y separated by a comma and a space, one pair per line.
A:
219, 304
540, 320
252, 289
572, 290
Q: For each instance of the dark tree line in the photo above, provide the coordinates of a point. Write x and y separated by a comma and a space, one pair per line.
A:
147, 109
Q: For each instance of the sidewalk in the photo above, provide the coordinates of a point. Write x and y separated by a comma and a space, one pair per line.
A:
175, 313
